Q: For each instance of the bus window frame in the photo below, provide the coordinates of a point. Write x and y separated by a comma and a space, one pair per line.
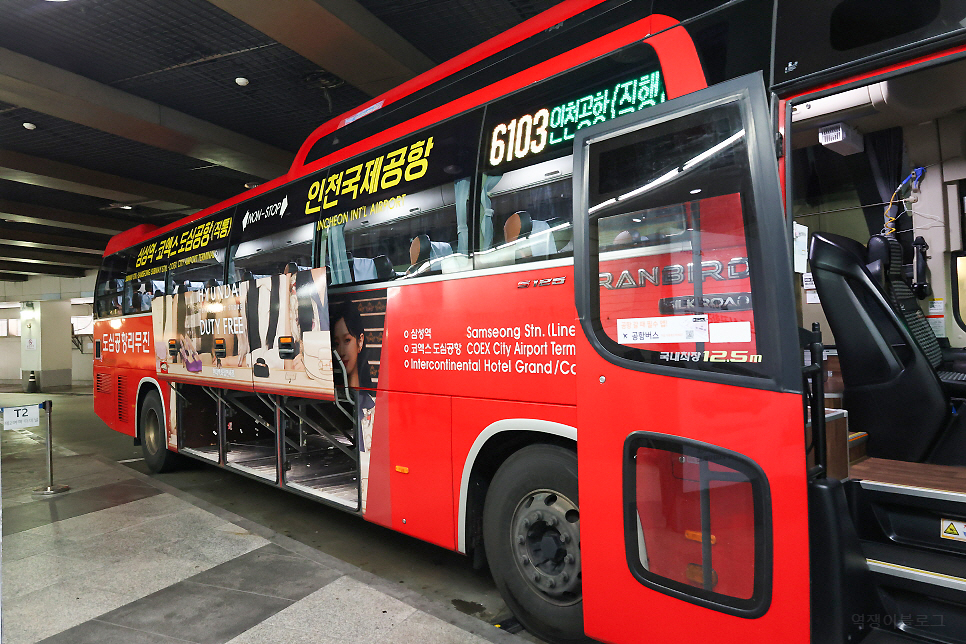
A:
779, 342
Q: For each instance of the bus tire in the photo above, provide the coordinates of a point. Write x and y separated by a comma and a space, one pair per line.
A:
531, 533
152, 434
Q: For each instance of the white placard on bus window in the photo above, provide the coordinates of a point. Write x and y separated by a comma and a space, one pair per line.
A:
21, 417
677, 328
730, 331
3, 328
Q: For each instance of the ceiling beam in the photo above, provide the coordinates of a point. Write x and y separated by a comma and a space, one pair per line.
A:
57, 258
340, 36
12, 277
50, 90
25, 268
33, 214
31, 239
24, 168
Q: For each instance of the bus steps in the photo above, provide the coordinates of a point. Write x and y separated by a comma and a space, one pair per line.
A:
918, 576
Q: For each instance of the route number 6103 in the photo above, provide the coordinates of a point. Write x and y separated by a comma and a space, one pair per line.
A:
520, 137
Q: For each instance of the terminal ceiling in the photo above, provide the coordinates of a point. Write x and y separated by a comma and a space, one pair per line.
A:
119, 112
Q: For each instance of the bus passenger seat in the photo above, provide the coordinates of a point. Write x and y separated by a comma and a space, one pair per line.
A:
520, 226
419, 250
517, 226
426, 255
363, 269
891, 389
542, 243
384, 269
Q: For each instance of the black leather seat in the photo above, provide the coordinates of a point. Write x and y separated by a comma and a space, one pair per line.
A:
885, 264
384, 269
892, 390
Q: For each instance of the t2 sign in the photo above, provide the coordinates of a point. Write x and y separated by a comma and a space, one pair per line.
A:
21, 417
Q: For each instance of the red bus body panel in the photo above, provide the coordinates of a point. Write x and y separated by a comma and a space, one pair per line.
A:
127, 356
769, 434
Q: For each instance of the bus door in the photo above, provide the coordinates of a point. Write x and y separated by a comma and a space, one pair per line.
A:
691, 463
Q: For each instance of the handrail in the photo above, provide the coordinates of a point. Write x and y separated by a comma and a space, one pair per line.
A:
813, 400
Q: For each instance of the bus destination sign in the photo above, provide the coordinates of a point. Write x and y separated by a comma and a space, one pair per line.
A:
547, 127
181, 248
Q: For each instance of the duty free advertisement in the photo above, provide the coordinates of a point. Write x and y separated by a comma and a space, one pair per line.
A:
272, 331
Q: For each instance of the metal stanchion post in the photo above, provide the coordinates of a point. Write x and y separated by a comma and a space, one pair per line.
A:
51, 489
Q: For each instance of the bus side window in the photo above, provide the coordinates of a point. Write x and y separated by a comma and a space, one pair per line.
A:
138, 294
431, 235
197, 275
110, 286
279, 252
527, 214
677, 261
526, 191
673, 487
419, 224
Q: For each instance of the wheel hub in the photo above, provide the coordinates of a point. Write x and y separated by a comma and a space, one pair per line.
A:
546, 544
152, 433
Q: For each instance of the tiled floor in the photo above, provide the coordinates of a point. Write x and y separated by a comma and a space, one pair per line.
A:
122, 558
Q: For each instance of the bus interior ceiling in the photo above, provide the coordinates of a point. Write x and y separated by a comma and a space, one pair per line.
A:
319, 438
917, 119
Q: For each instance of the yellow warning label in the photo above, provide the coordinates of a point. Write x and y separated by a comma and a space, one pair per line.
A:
950, 529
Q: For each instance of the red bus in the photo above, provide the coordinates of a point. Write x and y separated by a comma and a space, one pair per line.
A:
592, 227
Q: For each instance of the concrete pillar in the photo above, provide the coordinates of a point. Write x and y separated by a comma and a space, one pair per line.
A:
45, 343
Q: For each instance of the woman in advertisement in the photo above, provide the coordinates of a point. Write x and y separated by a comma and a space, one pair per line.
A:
349, 340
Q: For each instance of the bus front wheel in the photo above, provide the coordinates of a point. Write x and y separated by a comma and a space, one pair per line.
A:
153, 438
531, 532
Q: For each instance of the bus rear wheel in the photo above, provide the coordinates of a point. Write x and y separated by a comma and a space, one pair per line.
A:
153, 437
531, 532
